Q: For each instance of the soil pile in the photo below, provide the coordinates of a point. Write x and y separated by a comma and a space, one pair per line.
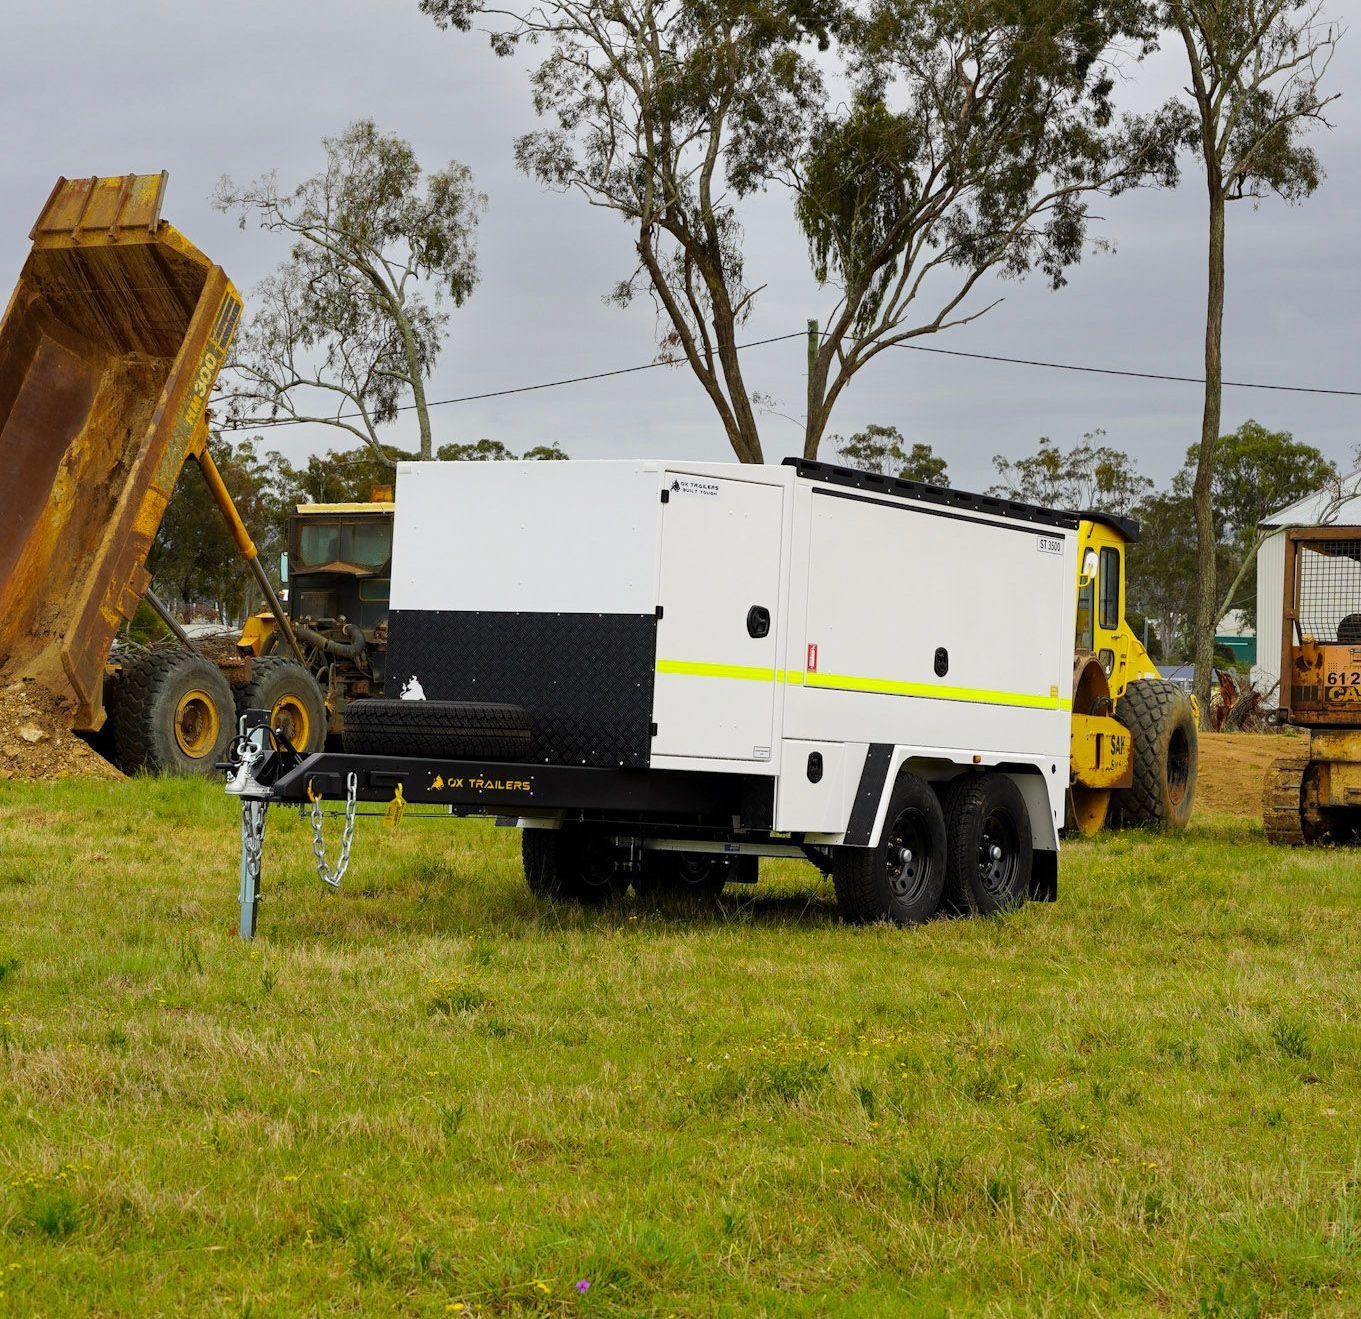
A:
1233, 768
35, 742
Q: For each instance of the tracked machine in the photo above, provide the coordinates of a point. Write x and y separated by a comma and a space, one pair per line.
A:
1313, 795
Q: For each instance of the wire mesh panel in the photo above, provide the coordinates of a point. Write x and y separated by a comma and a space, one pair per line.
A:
1329, 592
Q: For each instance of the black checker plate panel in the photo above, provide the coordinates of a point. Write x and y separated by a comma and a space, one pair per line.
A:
585, 679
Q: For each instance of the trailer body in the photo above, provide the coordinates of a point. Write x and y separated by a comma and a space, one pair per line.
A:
804, 630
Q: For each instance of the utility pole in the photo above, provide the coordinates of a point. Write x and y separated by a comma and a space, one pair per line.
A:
814, 339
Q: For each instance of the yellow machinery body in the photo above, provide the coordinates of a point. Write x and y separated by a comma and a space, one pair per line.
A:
109, 349
1107, 658
1313, 794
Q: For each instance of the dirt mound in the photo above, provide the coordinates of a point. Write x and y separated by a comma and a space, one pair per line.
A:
1233, 767
35, 742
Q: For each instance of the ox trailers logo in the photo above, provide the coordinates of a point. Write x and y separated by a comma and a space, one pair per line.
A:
687, 486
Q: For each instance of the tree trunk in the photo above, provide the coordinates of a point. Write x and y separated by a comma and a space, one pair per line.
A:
1202, 493
413, 362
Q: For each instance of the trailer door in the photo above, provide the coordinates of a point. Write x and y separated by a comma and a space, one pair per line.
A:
717, 634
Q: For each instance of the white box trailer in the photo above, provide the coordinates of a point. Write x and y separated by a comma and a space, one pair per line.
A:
664, 670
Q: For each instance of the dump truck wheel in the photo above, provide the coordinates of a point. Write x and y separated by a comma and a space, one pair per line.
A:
1162, 725
293, 698
572, 864
991, 850
436, 729
901, 879
173, 714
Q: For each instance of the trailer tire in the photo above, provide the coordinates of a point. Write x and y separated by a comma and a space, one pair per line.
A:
472, 730
878, 883
697, 875
293, 698
991, 847
570, 864
173, 713
1162, 726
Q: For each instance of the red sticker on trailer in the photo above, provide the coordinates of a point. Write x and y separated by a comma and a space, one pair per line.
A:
812, 658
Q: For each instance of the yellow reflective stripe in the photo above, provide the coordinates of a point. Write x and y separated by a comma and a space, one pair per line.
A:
936, 691
847, 682
696, 669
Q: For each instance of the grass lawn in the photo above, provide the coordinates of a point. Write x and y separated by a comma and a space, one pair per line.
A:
430, 1094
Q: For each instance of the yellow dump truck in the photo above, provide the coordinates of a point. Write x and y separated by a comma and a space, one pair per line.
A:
109, 351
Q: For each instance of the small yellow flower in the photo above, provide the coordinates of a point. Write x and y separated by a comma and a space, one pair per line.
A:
454, 1307
542, 1286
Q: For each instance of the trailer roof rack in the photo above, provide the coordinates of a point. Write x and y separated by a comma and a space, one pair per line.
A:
930, 494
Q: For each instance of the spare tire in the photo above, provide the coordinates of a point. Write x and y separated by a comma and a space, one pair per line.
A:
471, 730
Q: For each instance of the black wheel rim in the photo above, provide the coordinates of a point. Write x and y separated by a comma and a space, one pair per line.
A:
594, 862
908, 856
696, 870
999, 854
1178, 764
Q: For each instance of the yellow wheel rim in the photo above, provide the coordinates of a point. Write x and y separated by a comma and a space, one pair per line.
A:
196, 723
290, 715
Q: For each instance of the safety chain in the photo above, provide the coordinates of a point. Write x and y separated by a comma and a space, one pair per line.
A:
253, 835
328, 876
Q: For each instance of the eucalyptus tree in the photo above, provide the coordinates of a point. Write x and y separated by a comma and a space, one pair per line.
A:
881, 449
923, 144
1256, 70
346, 332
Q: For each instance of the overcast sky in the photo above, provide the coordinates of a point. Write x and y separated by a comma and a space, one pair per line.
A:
202, 90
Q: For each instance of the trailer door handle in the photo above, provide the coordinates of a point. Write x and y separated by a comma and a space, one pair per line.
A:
758, 621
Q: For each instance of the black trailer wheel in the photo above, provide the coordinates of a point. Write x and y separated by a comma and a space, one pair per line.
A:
293, 698
697, 875
901, 879
991, 850
471, 730
574, 863
1162, 727
173, 713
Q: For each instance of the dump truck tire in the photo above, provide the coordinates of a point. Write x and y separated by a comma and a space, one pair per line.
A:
1162, 726
881, 883
173, 713
470, 730
991, 852
293, 698
570, 864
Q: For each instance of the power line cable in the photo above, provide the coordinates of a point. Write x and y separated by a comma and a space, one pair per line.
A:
801, 334
502, 393
1134, 375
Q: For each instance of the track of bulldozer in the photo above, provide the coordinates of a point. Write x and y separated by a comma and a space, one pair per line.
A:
1283, 801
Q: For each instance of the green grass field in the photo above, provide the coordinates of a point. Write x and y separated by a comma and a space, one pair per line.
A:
429, 1094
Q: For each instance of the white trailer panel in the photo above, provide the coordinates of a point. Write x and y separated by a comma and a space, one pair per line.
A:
738, 620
